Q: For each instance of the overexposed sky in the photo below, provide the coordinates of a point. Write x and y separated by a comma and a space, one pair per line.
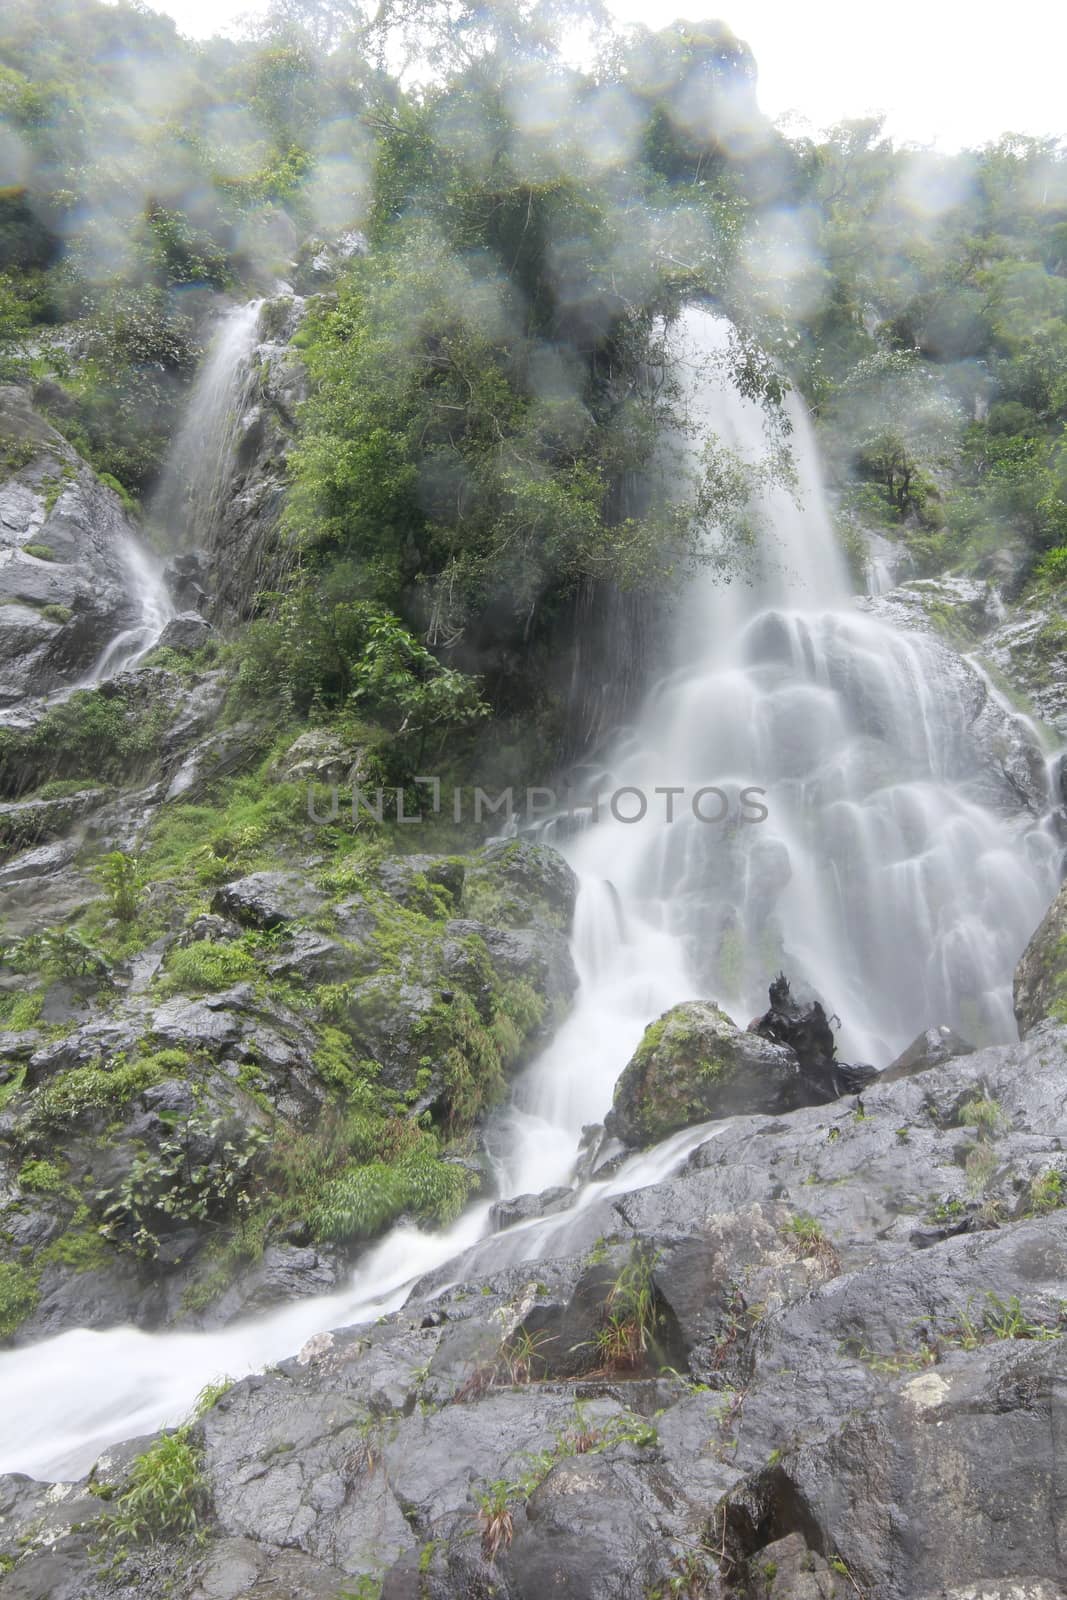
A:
951, 72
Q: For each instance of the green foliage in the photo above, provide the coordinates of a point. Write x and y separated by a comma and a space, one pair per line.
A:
201, 1173
1047, 1192
18, 1296
40, 1177
630, 1324
20, 1009
56, 952
40, 552
983, 1114
85, 1090
165, 1497
93, 734
122, 879
206, 966
362, 1200
807, 1236
210, 1395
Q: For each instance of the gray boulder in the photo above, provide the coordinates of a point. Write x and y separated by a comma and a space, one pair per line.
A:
186, 632
694, 1065
931, 1048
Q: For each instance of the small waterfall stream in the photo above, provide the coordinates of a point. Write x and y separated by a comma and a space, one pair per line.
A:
200, 464
892, 873
192, 490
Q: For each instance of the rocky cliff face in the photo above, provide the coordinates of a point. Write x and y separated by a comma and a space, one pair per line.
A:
245, 554
64, 538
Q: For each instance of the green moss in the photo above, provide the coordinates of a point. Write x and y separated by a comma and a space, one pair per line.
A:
40, 1177
81, 1248
42, 552
21, 1010
12, 1087
18, 1296
56, 613
671, 1070
206, 966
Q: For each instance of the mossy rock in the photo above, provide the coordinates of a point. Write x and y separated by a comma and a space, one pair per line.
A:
514, 883
695, 1065
1041, 976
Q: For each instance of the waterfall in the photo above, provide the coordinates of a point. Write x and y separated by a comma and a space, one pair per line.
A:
153, 607
201, 461
894, 873
192, 490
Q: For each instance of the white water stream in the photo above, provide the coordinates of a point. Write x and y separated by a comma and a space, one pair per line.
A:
881, 875
193, 488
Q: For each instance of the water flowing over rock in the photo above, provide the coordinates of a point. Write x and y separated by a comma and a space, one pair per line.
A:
67, 551
839, 1314
903, 860
737, 1360
225, 478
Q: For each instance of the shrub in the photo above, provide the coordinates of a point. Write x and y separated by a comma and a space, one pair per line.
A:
165, 1496
122, 879
91, 1088
55, 613
202, 1172
40, 1177
93, 734
365, 1198
206, 966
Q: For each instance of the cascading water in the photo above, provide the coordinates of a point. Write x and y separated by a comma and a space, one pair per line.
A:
200, 464
153, 606
193, 489
892, 872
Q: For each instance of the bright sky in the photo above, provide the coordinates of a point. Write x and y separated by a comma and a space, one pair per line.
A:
951, 72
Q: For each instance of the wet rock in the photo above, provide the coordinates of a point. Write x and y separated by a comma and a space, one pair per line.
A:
268, 899
63, 543
241, 1569
26, 822
411, 880
186, 632
244, 555
789, 1570
523, 1207
524, 882
314, 958
319, 756
694, 1065
541, 957
282, 1274
1026, 651
186, 578
932, 1048
1040, 988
